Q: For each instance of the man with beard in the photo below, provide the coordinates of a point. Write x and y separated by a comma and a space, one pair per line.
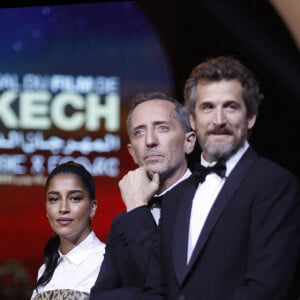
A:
238, 236
160, 138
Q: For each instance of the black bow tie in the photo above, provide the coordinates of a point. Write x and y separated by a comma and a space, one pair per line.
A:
155, 202
219, 168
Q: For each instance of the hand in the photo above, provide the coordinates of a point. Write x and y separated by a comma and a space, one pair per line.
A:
137, 187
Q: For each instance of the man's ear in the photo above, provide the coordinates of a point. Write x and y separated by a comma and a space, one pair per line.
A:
131, 152
251, 121
190, 141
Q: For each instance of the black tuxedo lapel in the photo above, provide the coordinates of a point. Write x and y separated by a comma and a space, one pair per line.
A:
232, 183
181, 227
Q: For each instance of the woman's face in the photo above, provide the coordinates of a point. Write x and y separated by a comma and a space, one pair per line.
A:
69, 208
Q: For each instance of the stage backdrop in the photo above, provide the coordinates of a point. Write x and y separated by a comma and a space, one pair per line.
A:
67, 73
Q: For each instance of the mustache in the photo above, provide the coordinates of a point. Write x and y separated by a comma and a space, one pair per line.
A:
220, 130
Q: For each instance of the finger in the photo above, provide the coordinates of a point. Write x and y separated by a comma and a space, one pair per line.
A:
155, 178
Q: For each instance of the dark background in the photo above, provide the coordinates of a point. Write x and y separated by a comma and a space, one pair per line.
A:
253, 32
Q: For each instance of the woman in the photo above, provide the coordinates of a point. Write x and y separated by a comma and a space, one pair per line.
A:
73, 255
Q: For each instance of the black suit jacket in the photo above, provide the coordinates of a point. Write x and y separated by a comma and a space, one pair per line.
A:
131, 267
249, 245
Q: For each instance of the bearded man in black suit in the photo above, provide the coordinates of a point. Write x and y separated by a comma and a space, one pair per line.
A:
236, 234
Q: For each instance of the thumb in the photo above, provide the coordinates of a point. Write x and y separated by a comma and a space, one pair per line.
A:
155, 179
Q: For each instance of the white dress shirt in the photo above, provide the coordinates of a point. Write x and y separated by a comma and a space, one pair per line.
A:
205, 197
156, 210
78, 269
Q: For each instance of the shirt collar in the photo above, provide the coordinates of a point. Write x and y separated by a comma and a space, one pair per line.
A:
79, 253
185, 176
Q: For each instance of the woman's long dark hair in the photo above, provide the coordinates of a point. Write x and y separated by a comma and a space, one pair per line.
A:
51, 255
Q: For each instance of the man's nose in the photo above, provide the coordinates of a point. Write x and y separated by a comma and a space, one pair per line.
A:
219, 117
151, 138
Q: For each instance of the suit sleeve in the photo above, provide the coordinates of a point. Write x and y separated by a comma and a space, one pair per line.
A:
133, 237
273, 247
